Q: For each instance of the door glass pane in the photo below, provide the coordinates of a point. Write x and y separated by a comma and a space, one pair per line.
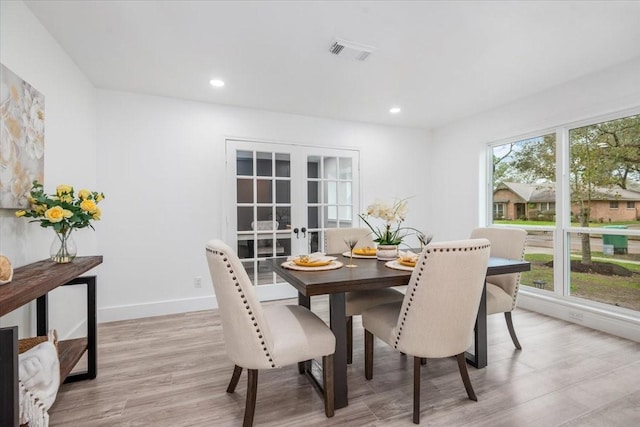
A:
283, 244
313, 216
265, 247
245, 246
264, 191
313, 191
330, 168
345, 168
244, 163
245, 191
249, 267
331, 195
264, 165
283, 217
265, 275
245, 216
331, 217
265, 213
344, 193
314, 241
283, 191
344, 215
283, 165
313, 167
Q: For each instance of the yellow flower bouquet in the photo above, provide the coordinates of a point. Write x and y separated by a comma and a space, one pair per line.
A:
63, 212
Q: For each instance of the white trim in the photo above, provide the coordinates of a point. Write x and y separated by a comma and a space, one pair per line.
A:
619, 325
158, 308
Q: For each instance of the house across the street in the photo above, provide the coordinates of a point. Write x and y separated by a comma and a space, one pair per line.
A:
515, 200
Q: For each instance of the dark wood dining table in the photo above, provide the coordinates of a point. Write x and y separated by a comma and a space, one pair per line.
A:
373, 274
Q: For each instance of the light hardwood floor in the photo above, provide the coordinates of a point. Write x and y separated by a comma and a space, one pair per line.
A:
173, 371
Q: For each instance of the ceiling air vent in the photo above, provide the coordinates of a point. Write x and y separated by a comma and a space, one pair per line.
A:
351, 50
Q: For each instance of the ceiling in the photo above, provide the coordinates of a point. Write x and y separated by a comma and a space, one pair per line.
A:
439, 61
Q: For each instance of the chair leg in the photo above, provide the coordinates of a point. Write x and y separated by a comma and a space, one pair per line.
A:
417, 362
368, 354
252, 389
512, 332
237, 370
462, 366
327, 371
349, 340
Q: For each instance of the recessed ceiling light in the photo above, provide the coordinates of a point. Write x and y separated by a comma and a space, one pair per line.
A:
216, 83
394, 110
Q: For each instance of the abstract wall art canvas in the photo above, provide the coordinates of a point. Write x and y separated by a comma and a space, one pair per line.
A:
21, 139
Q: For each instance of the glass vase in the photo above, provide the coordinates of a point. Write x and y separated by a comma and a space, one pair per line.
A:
387, 252
63, 248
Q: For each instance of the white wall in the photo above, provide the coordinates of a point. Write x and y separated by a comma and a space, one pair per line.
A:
162, 167
160, 163
457, 150
458, 155
70, 150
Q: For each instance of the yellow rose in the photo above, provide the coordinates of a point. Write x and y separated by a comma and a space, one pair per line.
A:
99, 197
66, 198
67, 213
55, 214
88, 206
84, 194
63, 189
20, 213
96, 214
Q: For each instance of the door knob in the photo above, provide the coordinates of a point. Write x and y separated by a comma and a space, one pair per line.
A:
295, 230
304, 231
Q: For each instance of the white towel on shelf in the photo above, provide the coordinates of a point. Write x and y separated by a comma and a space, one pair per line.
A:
39, 380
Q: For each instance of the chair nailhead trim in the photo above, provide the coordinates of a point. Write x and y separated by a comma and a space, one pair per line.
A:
417, 282
247, 306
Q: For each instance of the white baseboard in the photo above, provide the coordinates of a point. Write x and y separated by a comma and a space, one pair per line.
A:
158, 308
591, 317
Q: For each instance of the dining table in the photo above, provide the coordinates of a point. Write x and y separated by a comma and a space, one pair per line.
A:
373, 274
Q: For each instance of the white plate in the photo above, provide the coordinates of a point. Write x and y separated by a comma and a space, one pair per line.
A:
334, 265
346, 254
397, 266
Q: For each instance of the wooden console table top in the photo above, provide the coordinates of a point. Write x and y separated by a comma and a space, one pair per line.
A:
34, 280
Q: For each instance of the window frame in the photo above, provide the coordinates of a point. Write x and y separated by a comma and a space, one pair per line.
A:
563, 227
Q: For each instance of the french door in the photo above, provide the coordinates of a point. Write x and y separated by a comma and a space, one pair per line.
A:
281, 198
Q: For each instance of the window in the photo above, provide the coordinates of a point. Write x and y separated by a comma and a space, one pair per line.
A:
598, 266
498, 210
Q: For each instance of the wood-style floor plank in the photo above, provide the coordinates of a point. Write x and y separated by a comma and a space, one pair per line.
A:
173, 371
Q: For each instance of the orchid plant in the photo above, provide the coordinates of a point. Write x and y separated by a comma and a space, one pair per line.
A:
392, 215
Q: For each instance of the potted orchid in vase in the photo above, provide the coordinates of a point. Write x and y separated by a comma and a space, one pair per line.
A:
390, 235
64, 212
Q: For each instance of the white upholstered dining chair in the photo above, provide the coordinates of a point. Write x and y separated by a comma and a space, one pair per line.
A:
438, 313
502, 290
357, 302
264, 338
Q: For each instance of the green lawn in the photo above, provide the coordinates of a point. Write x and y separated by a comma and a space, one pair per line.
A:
615, 290
553, 224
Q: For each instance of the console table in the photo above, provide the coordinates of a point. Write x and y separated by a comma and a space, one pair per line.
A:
33, 282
